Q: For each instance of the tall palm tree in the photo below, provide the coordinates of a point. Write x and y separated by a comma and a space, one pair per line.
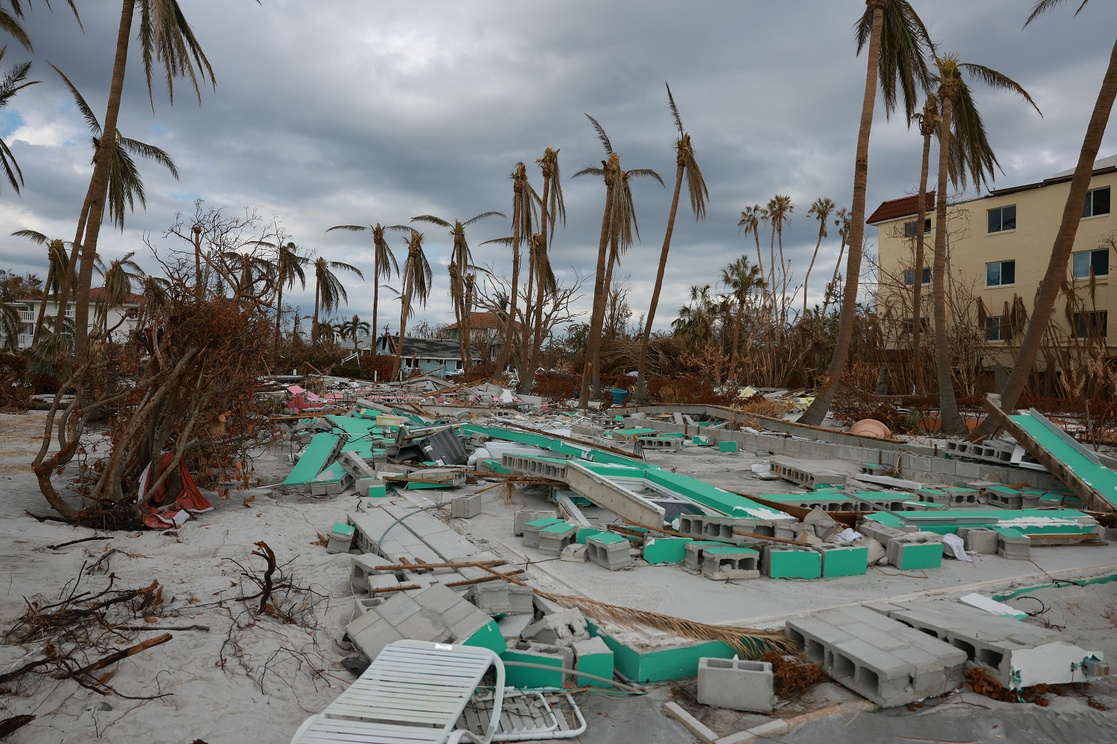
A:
523, 213
929, 120
417, 278
353, 328
843, 221
740, 278
165, 37
383, 260
695, 322
898, 44
618, 222
552, 209
121, 276
289, 266
461, 265
1056, 271
13, 82
329, 292
820, 210
751, 217
974, 158
779, 211
685, 165
57, 264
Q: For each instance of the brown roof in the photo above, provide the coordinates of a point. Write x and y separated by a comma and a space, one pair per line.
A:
97, 293
906, 206
479, 322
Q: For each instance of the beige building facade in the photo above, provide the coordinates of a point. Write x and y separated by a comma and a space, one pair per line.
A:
998, 250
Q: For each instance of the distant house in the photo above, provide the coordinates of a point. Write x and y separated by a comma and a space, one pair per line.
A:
120, 321
484, 333
435, 356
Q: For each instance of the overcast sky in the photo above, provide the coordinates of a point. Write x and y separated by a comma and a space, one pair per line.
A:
362, 111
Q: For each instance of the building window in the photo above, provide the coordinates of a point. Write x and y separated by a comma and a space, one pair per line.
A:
1002, 219
1086, 262
909, 325
998, 328
1097, 202
909, 276
909, 228
1091, 325
1000, 273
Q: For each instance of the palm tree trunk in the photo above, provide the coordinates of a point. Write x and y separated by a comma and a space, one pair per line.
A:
375, 300
952, 423
1061, 250
597, 317
645, 339
614, 259
817, 410
278, 316
807, 277
405, 305
43, 304
916, 298
98, 184
314, 319
510, 321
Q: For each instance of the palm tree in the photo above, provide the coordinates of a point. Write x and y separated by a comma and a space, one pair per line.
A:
751, 217
417, 278
121, 275
57, 264
329, 292
1056, 271
618, 222
523, 212
13, 82
289, 266
695, 322
929, 121
898, 44
165, 37
552, 209
843, 221
820, 210
685, 165
740, 278
974, 157
461, 265
383, 260
779, 214
353, 328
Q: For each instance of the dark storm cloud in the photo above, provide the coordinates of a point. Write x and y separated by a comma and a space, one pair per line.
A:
341, 112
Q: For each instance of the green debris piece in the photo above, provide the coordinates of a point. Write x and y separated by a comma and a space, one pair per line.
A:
488, 637
598, 664
797, 564
377, 492
665, 550
844, 561
342, 529
916, 557
314, 458
587, 532
727, 446
530, 678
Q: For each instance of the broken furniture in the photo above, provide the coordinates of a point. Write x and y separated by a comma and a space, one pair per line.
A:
413, 691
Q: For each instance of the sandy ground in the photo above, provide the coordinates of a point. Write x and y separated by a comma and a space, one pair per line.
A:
231, 674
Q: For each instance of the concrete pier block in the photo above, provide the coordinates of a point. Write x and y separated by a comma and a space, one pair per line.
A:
736, 684
466, 507
1013, 544
695, 552
726, 563
531, 529
979, 540
608, 550
843, 560
524, 516
915, 551
553, 538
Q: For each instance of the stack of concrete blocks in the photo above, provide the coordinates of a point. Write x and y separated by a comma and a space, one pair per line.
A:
1016, 653
789, 562
609, 551
843, 560
725, 529
915, 550
695, 552
364, 476
1003, 497
730, 562
527, 465
466, 507
736, 684
1013, 544
593, 656
503, 598
670, 444
980, 540
878, 657
555, 537
523, 516
949, 496
558, 657
341, 538
328, 483
532, 528
806, 473
434, 614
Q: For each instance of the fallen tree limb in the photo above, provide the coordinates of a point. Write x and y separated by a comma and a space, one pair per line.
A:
123, 654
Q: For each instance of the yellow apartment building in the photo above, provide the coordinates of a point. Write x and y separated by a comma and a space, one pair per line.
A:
997, 252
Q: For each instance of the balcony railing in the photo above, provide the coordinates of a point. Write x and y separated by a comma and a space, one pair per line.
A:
26, 316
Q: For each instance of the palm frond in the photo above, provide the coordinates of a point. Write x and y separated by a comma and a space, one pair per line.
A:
674, 110
601, 135
1043, 6
80, 102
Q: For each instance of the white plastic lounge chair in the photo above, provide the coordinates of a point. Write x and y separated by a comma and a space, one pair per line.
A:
412, 693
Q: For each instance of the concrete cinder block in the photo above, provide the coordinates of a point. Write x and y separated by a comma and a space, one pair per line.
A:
787, 562
341, 538
979, 540
530, 529
512, 626
466, 507
724, 529
574, 553
555, 537
843, 560
609, 551
695, 552
914, 551
536, 653
593, 656
559, 629
730, 563
736, 684
1013, 544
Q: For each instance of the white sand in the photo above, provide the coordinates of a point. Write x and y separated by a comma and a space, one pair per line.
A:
248, 678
